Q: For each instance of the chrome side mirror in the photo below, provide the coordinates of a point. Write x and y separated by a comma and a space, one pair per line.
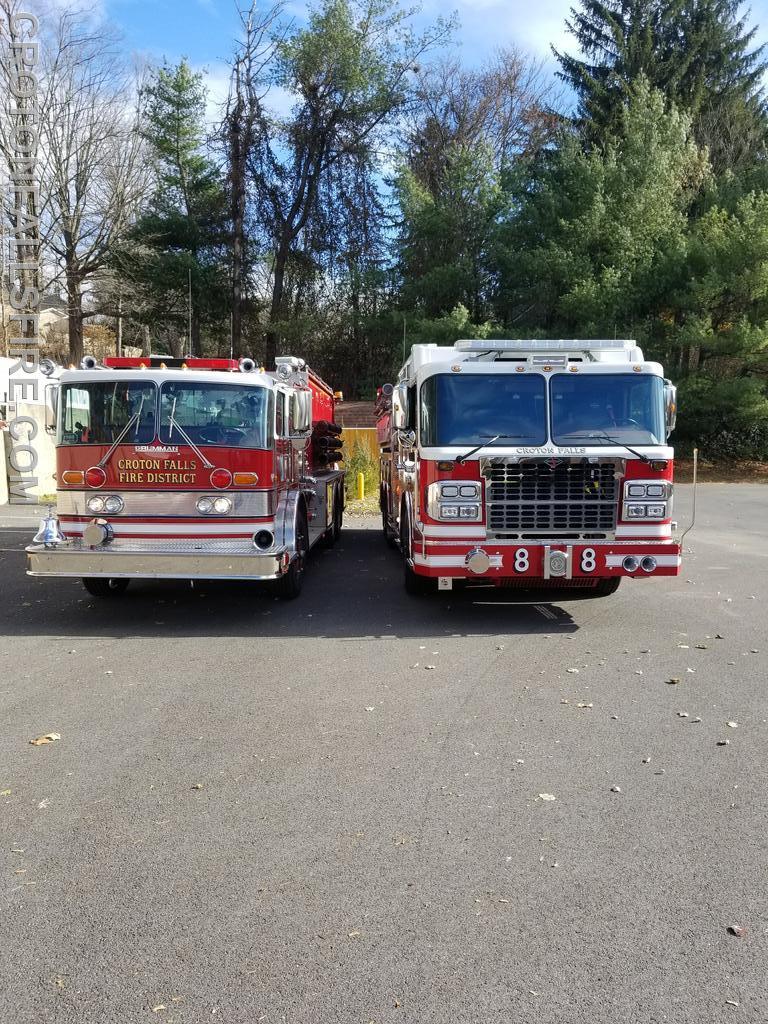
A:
670, 405
51, 407
400, 406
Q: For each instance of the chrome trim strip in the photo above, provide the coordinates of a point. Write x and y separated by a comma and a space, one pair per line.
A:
167, 504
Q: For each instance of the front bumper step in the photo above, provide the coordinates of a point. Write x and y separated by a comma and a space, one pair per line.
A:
155, 563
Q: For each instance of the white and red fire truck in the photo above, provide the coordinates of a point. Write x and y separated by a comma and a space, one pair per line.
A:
191, 469
529, 463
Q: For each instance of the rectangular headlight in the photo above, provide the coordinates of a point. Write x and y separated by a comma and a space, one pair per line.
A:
656, 511
635, 512
449, 511
469, 511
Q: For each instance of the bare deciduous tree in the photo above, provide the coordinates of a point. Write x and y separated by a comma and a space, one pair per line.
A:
93, 174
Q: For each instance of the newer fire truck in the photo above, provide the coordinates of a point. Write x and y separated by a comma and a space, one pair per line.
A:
191, 469
529, 464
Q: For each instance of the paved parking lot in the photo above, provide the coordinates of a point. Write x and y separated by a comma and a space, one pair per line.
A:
337, 809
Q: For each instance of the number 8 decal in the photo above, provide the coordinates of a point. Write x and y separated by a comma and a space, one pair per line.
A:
588, 563
521, 560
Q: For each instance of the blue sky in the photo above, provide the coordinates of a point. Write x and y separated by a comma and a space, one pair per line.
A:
203, 30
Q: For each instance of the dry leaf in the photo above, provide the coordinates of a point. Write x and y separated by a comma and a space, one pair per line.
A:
737, 930
546, 796
50, 737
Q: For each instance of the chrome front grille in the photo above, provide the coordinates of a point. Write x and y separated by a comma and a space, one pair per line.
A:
558, 498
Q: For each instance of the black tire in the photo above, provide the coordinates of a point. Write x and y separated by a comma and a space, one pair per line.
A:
414, 584
389, 535
606, 587
98, 586
290, 583
333, 532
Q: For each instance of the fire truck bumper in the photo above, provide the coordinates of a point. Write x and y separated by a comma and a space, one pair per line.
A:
169, 562
535, 564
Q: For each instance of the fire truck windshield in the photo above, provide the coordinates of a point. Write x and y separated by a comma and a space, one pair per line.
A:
626, 408
492, 407
230, 415
100, 412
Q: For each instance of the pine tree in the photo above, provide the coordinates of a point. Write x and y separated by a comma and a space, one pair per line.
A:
180, 240
697, 52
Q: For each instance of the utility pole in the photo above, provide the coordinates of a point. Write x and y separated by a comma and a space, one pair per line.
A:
189, 312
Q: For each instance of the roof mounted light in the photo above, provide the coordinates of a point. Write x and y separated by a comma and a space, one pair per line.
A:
246, 365
89, 363
541, 345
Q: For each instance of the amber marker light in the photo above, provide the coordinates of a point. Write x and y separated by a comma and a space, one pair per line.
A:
73, 476
245, 479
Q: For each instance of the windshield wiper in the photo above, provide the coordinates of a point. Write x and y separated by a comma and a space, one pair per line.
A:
490, 441
173, 424
612, 440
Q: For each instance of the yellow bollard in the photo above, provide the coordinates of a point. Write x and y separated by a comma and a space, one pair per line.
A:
360, 486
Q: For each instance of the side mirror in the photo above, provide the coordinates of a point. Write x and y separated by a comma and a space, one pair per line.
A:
400, 406
302, 411
670, 405
407, 438
387, 390
51, 407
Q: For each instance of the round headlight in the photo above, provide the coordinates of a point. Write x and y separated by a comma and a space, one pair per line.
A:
113, 504
222, 506
96, 503
204, 505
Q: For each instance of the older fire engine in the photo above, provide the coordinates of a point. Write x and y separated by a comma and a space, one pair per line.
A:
529, 464
191, 469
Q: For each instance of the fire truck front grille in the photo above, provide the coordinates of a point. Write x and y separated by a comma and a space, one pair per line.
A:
562, 499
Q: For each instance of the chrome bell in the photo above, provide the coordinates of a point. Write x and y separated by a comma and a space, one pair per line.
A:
49, 532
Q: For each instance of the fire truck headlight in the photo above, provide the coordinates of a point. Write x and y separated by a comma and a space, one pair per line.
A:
656, 511
469, 512
204, 506
95, 504
635, 511
113, 504
222, 506
449, 511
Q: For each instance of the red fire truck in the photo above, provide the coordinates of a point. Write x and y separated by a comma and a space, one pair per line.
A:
529, 464
191, 469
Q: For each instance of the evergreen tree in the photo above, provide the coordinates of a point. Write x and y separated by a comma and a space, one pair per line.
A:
697, 52
180, 241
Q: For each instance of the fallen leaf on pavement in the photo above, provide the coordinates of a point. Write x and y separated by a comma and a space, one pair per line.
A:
615, 789
737, 930
723, 743
198, 785
673, 681
732, 725
5, 792
50, 737
546, 796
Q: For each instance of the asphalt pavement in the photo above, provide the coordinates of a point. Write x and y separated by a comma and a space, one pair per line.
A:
340, 809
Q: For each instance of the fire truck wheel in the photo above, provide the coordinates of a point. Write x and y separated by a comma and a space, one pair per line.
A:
331, 535
389, 534
289, 584
414, 584
98, 587
606, 587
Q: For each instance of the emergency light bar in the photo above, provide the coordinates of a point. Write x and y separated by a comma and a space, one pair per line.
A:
539, 345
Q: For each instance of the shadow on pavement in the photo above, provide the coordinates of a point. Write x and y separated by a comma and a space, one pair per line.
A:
354, 590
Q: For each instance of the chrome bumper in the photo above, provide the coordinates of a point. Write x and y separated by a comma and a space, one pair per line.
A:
169, 562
